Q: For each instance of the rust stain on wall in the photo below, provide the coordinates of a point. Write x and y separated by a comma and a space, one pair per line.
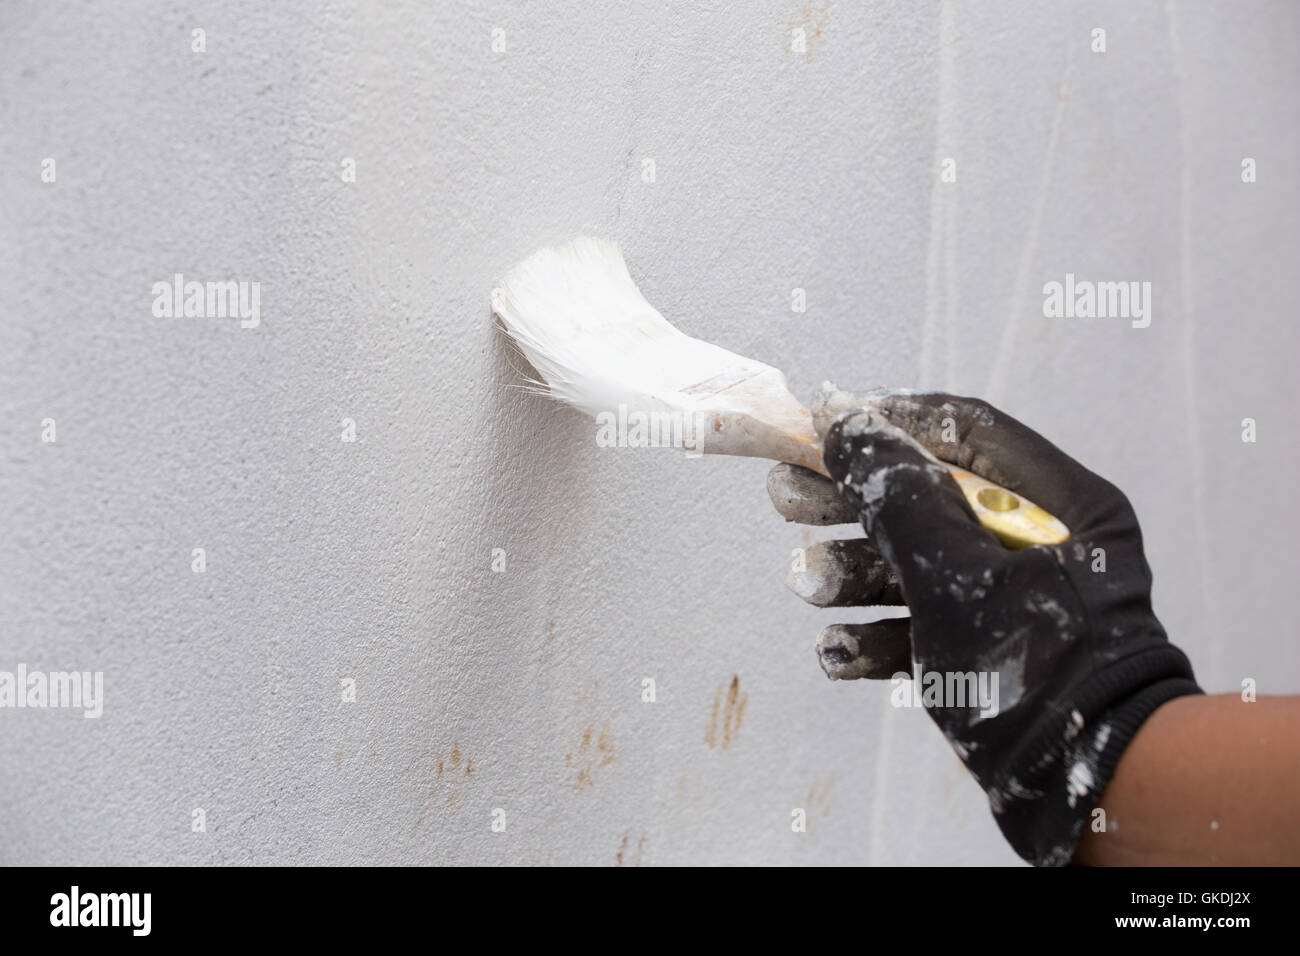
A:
811, 22
819, 795
592, 753
449, 779
621, 859
728, 712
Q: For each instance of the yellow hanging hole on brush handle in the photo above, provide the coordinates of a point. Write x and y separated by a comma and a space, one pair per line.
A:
1014, 519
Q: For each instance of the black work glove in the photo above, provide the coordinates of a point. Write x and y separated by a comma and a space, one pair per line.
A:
1079, 657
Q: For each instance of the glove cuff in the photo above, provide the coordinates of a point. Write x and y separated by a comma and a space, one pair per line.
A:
1052, 785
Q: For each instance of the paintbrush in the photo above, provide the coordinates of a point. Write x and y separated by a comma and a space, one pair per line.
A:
598, 345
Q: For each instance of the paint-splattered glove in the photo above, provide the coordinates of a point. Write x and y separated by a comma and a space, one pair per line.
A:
1064, 634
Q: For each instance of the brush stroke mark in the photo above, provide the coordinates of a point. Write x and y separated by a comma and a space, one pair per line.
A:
1191, 390
943, 206
995, 388
635, 101
732, 707
881, 783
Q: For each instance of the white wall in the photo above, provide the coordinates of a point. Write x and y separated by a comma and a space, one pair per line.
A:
370, 561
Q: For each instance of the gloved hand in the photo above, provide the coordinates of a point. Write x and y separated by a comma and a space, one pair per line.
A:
1067, 631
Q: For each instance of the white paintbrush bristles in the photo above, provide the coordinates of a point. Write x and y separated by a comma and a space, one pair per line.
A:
598, 345
580, 320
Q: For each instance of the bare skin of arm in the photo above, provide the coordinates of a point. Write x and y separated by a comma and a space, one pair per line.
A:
1207, 781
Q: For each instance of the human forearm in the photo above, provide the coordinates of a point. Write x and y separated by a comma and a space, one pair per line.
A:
1206, 781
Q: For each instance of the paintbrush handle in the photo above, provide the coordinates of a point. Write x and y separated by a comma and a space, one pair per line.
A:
785, 433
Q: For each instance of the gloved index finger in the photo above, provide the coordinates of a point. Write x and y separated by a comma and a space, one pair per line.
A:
801, 495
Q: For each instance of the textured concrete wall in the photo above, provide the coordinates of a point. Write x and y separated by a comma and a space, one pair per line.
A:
371, 561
